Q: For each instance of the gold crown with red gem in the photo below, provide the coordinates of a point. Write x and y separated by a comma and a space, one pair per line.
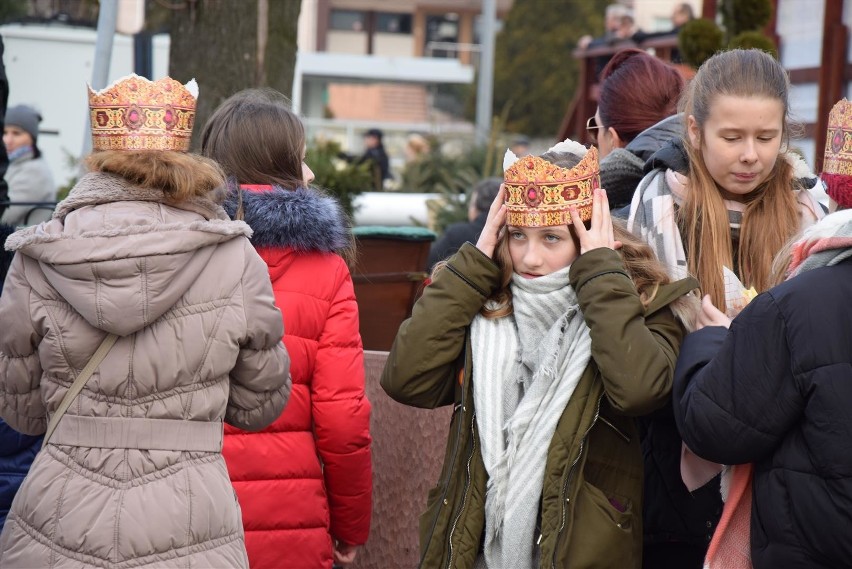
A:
135, 113
541, 194
837, 163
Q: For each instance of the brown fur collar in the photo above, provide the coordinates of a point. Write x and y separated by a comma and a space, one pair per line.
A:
100, 188
686, 309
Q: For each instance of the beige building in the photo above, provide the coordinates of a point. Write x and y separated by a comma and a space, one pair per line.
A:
388, 64
394, 28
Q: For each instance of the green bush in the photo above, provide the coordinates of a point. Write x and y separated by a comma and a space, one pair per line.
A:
698, 40
741, 16
342, 179
756, 40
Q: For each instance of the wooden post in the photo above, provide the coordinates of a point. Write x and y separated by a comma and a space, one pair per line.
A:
832, 72
771, 29
708, 9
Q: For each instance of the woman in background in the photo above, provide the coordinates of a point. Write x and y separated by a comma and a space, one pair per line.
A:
636, 117
28, 175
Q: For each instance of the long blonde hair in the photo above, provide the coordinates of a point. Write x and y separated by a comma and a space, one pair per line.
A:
771, 215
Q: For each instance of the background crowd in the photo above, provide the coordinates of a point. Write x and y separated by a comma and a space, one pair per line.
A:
642, 342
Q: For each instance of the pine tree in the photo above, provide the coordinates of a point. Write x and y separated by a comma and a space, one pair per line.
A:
535, 73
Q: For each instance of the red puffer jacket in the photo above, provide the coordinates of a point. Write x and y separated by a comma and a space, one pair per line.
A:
307, 478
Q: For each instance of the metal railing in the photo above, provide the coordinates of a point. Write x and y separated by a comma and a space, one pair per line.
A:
34, 206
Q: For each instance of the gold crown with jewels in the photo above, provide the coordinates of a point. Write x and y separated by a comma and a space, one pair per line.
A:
135, 113
837, 162
541, 194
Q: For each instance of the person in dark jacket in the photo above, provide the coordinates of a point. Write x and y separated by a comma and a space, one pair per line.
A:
375, 154
17, 450
636, 116
775, 391
4, 159
457, 234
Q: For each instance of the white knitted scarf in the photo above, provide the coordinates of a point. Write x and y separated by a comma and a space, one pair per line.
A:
525, 369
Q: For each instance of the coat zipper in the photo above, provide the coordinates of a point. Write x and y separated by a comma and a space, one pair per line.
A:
451, 467
619, 432
570, 476
466, 488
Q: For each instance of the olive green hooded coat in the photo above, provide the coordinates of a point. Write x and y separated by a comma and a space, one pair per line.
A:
591, 509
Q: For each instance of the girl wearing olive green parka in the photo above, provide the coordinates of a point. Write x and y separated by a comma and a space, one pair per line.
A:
547, 341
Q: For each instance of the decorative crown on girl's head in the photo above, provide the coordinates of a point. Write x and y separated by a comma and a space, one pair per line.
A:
541, 194
135, 113
837, 165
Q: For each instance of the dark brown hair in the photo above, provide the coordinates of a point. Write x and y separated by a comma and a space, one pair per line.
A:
257, 139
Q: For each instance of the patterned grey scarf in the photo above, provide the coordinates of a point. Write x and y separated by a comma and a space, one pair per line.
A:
525, 369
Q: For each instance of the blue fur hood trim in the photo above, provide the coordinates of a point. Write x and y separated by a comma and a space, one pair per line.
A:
304, 219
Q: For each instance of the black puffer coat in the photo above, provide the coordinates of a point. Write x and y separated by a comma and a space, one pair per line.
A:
672, 514
776, 390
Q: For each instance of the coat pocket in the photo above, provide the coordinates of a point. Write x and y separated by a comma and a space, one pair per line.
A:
606, 533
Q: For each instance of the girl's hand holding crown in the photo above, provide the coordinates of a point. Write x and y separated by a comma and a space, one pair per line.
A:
600, 232
494, 224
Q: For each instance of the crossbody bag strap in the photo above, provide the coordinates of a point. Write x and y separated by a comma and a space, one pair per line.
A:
78, 384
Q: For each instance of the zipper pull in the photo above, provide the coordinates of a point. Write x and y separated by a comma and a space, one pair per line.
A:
538, 541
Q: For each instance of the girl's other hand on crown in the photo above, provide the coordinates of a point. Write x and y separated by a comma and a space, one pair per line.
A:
494, 224
600, 232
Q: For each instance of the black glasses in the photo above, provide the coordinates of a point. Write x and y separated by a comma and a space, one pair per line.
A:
592, 127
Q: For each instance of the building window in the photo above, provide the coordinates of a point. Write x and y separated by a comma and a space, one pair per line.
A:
440, 32
389, 23
348, 20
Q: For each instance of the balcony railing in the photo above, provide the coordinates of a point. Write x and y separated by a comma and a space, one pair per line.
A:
34, 206
585, 100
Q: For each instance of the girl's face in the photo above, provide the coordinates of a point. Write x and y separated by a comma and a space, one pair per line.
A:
307, 173
740, 142
539, 251
14, 137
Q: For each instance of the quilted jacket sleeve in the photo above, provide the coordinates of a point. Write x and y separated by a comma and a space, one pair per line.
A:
341, 414
420, 370
21, 405
634, 351
735, 394
260, 379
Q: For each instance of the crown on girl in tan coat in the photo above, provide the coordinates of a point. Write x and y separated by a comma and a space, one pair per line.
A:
540, 194
135, 113
837, 164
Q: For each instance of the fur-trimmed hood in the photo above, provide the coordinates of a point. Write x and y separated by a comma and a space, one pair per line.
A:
112, 243
303, 219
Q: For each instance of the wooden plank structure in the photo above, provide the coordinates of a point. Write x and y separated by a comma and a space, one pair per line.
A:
408, 451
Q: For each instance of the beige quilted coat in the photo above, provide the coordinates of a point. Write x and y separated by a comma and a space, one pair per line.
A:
134, 476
